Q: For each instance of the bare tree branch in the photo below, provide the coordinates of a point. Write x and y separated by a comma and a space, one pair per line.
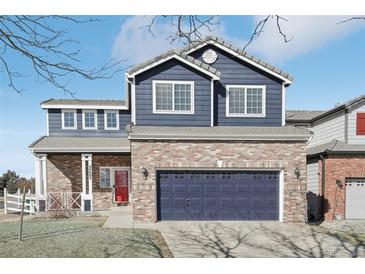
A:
260, 26
188, 28
257, 31
352, 19
52, 54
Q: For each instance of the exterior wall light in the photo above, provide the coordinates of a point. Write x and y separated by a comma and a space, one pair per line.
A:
297, 173
339, 183
144, 172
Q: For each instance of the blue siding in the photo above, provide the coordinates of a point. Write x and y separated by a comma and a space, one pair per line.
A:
172, 70
236, 72
55, 125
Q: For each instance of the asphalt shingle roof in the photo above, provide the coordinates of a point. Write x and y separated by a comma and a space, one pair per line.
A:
181, 54
311, 115
84, 102
219, 132
80, 144
302, 115
336, 146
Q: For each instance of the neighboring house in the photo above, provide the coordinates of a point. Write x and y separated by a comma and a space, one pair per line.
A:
201, 136
335, 160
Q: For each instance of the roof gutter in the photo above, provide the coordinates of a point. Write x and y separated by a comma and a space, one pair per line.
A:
77, 150
215, 137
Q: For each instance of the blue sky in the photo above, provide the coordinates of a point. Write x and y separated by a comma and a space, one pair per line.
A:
326, 60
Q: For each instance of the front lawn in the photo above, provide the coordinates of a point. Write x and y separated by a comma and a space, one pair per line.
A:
79, 238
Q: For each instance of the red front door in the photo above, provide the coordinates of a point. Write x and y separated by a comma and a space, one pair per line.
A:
121, 186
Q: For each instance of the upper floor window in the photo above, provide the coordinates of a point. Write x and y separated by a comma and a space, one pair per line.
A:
89, 120
69, 119
360, 124
111, 118
173, 97
245, 101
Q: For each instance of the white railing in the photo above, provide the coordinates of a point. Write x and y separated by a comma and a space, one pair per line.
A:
64, 200
13, 202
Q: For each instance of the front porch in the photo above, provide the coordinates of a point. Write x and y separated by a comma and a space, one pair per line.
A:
89, 179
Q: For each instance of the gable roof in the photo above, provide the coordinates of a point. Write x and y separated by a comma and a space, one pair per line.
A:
336, 147
179, 55
310, 116
241, 55
85, 104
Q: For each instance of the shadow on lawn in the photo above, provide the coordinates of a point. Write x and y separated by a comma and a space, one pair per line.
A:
223, 241
39, 235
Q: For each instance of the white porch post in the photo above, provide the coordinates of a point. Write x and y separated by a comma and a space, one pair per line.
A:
41, 180
87, 185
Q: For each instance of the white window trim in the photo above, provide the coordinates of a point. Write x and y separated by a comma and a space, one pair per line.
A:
95, 119
259, 115
63, 118
173, 111
105, 119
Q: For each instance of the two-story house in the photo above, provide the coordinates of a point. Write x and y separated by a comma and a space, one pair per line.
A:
335, 160
201, 136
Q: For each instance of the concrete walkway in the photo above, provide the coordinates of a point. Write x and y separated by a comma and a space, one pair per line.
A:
118, 217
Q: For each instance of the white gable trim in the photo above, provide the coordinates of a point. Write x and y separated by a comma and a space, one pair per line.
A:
177, 57
92, 107
244, 58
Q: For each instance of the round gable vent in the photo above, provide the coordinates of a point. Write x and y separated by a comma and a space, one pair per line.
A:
209, 56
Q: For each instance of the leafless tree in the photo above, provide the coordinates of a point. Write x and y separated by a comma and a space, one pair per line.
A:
53, 55
191, 28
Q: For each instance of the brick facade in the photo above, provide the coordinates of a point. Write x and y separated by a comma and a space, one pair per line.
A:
204, 154
340, 167
64, 174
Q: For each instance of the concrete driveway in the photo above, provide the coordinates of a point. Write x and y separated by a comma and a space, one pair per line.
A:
257, 239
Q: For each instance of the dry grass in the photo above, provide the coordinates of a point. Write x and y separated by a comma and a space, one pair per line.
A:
79, 238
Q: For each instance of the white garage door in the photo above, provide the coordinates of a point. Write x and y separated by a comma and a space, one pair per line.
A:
355, 199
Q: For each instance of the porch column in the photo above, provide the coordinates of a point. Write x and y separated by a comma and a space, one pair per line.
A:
87, 185
41, 181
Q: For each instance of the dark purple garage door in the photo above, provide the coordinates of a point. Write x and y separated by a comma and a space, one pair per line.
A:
218, 195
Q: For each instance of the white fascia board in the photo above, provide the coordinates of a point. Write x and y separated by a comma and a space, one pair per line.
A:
45, 106
174, 56
85, 150
248, 60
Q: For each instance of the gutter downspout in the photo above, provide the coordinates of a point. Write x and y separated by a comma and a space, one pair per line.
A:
323, 160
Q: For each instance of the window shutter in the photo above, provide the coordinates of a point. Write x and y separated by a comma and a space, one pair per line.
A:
360, 124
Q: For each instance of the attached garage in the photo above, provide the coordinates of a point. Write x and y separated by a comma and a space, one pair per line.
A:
355, 199
218, 195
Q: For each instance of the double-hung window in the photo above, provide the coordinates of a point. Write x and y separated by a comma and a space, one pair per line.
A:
69, 119
173, 97
89, 120
245, 101
111, 118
